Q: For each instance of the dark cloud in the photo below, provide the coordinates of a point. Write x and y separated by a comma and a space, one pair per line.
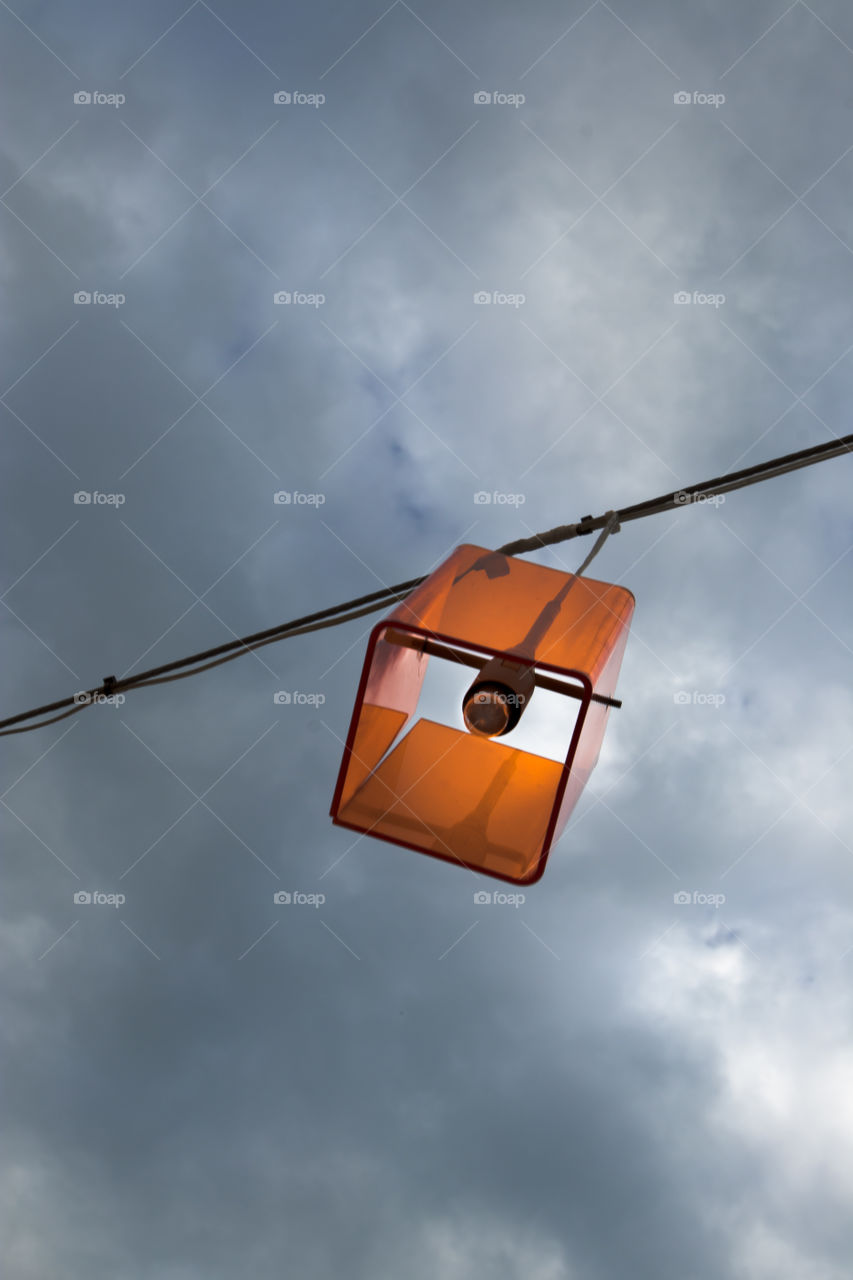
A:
619, 1075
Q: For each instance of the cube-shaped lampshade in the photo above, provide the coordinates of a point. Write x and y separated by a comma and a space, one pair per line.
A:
417, 772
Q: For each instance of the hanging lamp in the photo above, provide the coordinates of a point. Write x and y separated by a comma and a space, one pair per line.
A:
481, 711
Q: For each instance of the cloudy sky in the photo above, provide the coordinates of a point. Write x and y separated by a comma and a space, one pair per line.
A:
600, 1081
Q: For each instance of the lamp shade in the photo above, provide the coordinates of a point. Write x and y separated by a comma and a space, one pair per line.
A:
481, 711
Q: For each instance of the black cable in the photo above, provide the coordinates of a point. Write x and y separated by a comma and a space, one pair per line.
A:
683, 497
363, 605
238, 648
298, 631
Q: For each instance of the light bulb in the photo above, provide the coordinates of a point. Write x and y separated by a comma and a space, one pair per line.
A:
494, 703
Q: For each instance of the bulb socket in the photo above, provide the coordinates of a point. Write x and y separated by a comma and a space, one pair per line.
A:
496, 700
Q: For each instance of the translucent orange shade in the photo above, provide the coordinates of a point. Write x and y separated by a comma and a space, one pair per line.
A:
437, 788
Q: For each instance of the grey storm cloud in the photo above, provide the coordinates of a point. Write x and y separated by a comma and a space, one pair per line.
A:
641, 1069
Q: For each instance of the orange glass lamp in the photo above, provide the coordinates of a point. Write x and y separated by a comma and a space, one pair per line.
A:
481, 711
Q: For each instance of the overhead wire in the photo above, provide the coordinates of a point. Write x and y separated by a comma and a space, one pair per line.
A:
336, 615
